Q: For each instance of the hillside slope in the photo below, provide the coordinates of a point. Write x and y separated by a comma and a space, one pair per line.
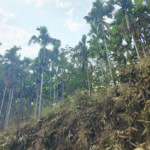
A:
115, 119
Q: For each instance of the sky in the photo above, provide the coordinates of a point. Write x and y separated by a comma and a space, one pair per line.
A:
20, 18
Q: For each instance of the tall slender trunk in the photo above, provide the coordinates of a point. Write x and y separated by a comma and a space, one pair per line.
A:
107, 54
29, 108
102, 68
143, 50
3, 100
57, 95
36, 105
129, 29
20, 107
63, 89
41, 91
88, 80
50, 93
54, 93
134, 42
8, 109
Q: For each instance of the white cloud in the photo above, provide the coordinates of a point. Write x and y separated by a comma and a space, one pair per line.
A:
71, 24
5, 16
70, 12
12, 35
59, 3
37, 3
63, 4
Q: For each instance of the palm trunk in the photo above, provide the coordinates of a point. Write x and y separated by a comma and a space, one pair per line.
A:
50, 95
57, 95
88, 80
143, 50
8, 109
63, 89
102, 68
41, 91
20, 108
29, 109
129, 29
3, 100
137, 51
107, 54
54, 93
36, 105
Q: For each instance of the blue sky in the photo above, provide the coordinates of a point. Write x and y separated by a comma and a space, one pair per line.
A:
63, 18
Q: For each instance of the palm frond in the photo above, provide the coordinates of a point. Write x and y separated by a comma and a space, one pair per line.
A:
34, 39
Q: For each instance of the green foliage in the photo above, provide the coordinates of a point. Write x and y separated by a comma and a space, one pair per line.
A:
118, 38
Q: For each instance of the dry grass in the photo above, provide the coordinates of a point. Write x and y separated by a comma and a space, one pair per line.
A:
115, 119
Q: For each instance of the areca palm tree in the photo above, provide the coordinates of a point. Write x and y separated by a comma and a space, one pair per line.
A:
98, 52
128, 20
97, 16
55, 59
43, 39
11, 72
141, 30
35, 67
23, 77
82, 56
